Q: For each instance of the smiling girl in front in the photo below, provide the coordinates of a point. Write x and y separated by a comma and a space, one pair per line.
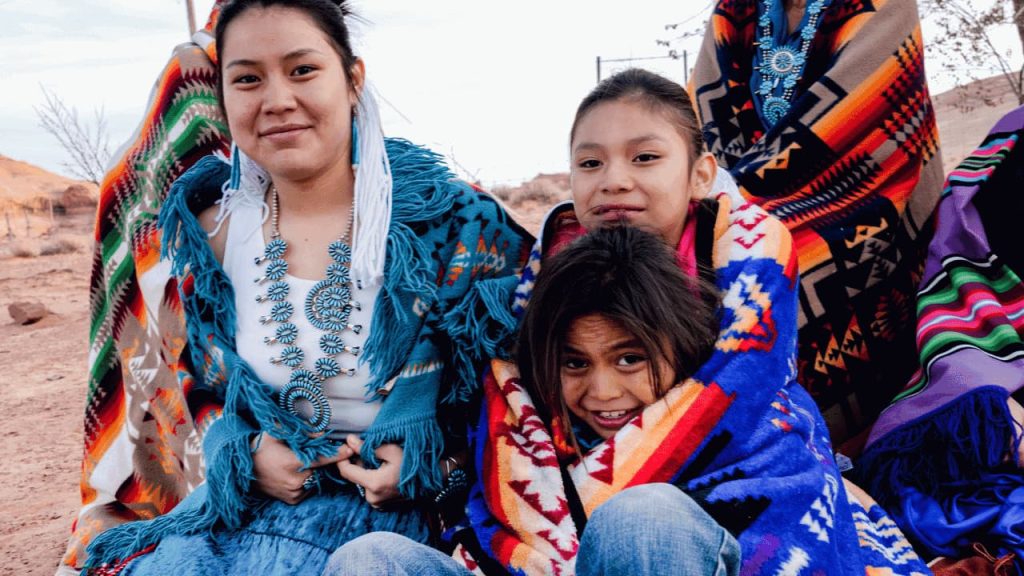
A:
613, 324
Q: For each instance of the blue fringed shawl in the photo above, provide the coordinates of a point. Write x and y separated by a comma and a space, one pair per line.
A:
452, 255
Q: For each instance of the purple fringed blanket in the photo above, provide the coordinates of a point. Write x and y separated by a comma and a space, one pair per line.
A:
942, 457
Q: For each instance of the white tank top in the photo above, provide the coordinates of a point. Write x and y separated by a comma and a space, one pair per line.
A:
352, 409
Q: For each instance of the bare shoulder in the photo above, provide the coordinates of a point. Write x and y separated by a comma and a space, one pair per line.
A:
208, 220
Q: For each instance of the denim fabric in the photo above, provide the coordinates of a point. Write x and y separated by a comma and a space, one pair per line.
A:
280, 539
655, 529
390, 554
644, 530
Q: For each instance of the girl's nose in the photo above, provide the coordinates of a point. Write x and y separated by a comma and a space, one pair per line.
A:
604, 385
617, 178
278, 96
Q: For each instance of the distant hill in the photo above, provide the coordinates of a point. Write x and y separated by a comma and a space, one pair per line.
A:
967, 113
25, 186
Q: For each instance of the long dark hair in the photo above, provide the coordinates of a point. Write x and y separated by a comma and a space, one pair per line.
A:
657, 92
328, 15
628, 276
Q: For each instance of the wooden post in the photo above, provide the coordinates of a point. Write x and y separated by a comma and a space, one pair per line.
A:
191, 17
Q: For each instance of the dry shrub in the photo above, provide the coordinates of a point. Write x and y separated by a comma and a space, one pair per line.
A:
20, 249
61, 245
503, 193
31, 248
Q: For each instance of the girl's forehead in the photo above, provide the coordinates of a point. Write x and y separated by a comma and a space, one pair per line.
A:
272, 29
617, 119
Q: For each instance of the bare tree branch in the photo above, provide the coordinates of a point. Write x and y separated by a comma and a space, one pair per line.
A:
966, 48
89, 148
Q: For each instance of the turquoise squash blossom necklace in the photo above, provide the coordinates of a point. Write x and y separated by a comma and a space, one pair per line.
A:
328, 306
781, 67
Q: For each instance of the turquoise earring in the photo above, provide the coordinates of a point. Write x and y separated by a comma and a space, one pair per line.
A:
236, 168
355, 141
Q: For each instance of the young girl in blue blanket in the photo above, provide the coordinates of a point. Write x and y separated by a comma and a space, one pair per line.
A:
595, 453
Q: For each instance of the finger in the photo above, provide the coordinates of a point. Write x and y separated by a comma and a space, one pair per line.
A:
354, 442
357, 474
388, 453
344, 452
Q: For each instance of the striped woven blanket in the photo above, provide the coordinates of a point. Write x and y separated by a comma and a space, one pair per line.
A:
142, 449
853, 171
741, 437
942, 457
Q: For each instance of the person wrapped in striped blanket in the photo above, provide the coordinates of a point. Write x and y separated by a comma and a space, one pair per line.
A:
652, 422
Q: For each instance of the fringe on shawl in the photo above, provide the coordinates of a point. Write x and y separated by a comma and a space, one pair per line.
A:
417, 197
211, 342
483, 322
422, 444
971, 434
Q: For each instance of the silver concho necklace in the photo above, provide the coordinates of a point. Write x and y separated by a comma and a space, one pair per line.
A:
328, 307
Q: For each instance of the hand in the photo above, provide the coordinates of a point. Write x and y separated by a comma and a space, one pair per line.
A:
381, 485
278, 472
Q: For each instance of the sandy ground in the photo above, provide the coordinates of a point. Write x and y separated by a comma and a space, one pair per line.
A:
42, 400
43, 367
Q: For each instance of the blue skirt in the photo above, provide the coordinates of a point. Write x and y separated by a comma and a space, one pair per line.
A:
280, 539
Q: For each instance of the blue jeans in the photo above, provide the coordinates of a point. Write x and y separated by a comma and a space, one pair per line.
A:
390, 554
644, 530
655, 529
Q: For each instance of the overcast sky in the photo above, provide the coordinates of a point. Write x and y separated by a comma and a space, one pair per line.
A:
492, 85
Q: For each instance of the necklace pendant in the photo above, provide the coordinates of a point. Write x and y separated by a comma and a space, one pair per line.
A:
327, 368
278, 291
275, 249
286, 333
332, 345
301, 389
340, 252
292, 356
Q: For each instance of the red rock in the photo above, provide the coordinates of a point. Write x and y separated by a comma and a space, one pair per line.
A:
27, 312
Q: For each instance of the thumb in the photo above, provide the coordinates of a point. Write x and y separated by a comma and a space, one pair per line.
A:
344, 453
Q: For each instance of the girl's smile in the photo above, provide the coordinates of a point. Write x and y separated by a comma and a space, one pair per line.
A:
606, 374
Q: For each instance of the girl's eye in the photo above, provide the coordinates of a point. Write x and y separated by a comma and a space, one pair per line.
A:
246, 79
303, 70
589, 163
631, 359
646, 157
575, 363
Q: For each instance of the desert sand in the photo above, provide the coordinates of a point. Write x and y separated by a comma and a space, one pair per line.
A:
43, 382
